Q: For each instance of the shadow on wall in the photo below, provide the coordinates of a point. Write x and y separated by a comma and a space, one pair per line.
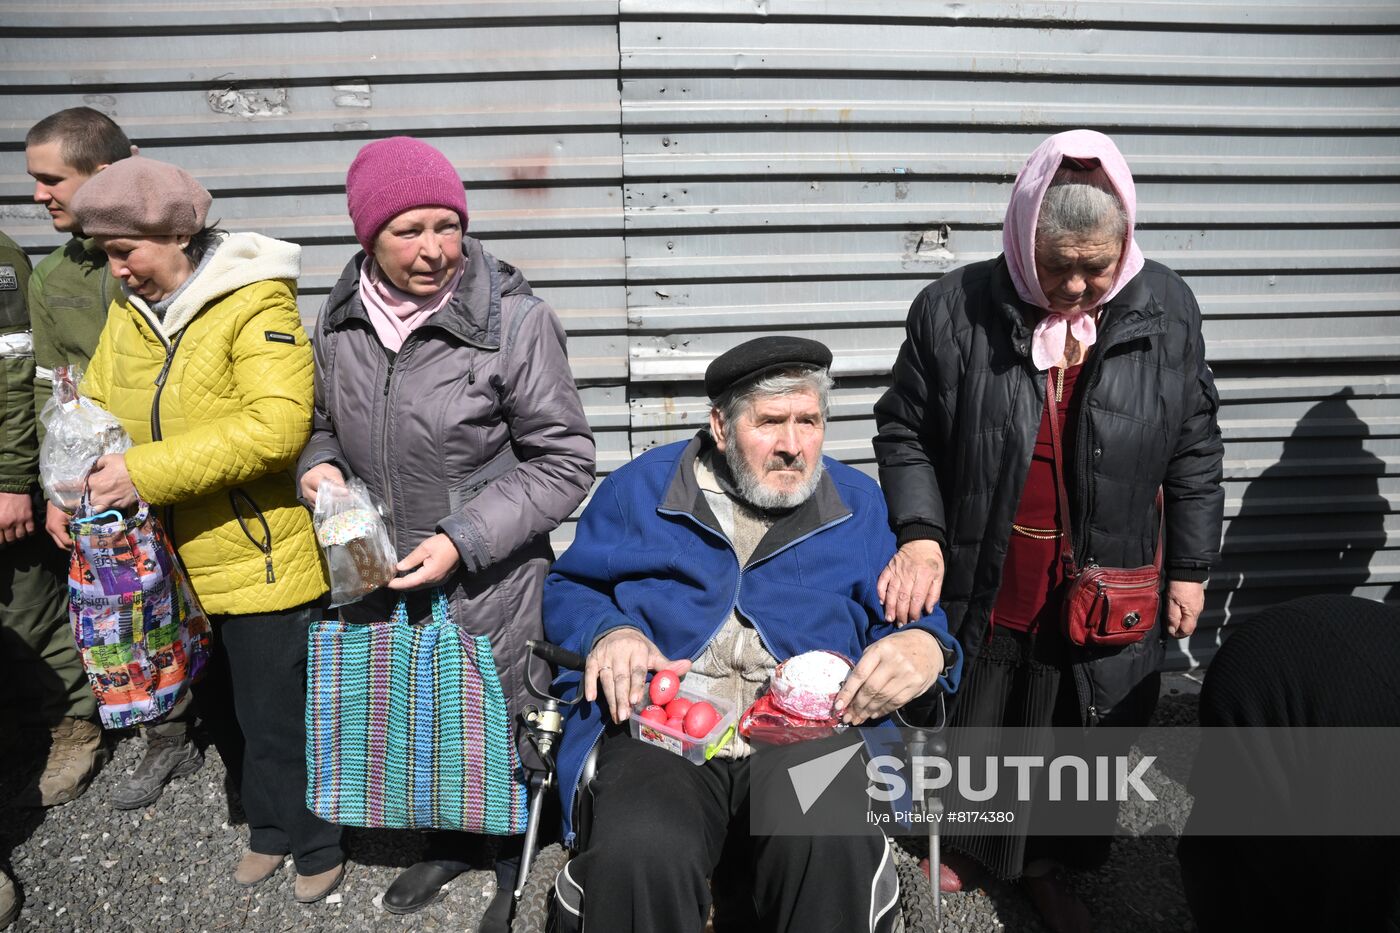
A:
1310, 523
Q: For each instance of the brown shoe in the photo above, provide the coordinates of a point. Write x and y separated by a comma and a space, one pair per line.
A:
255, 868
309, 889
75, 755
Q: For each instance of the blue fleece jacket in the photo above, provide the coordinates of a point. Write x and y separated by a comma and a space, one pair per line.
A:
648, 554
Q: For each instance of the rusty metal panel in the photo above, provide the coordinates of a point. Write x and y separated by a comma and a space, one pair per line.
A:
808, 165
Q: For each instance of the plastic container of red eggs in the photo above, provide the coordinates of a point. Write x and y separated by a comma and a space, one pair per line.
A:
690, 723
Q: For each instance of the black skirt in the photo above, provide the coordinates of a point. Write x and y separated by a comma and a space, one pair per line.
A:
1025, 682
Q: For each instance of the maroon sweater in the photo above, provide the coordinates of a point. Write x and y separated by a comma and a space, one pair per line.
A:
1032, 576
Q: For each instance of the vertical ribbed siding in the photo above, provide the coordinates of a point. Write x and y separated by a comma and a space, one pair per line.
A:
808, 166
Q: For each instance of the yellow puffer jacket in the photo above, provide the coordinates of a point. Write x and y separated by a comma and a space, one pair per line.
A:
217, 398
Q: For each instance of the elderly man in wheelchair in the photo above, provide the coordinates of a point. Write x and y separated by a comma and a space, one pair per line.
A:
718, 558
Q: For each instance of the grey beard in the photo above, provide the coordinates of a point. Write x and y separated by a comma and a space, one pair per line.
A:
751, 489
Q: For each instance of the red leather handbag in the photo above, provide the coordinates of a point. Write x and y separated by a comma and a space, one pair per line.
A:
1103, 606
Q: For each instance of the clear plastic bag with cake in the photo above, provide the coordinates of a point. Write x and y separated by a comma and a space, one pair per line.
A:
76, 433
799, 704
350, 528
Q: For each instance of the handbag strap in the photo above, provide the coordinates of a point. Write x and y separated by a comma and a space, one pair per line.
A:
83, 512
1065, 523
440, 615
1066, 527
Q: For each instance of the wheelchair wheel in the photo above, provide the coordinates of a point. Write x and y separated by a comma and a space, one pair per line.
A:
535, 912
915, 895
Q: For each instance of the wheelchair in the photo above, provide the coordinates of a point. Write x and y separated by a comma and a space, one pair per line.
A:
536, 907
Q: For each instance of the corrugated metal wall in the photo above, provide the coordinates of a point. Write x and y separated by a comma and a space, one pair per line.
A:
267, 102
809, 166
676, 176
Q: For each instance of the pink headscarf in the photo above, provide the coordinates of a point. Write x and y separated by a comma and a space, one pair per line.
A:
395, 313
1018, 235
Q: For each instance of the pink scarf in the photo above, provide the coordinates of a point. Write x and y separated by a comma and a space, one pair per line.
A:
394, 313
1018, 235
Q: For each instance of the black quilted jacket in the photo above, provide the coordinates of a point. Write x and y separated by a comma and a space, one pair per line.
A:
958, 425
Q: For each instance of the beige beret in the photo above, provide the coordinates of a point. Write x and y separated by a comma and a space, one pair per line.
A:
141, 197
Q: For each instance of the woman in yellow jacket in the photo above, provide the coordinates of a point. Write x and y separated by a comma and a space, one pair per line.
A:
205, 362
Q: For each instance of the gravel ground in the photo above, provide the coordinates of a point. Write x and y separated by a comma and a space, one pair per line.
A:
86, 867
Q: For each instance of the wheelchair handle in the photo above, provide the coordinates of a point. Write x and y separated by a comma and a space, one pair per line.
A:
559, 657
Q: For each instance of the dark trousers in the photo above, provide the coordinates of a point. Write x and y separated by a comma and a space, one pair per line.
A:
459, 850
659, 827
41, 674
260, 662
212, 700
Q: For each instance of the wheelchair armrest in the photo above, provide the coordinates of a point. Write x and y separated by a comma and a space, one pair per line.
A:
590, 766
583, 799
927, 741
921, 710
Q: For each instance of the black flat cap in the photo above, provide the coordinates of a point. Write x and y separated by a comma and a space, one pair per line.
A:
761, 356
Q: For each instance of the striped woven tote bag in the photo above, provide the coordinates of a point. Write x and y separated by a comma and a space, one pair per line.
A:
138, 626
407, 728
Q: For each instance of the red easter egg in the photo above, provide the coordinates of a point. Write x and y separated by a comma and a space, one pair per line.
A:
654, 714
677, 724
700, 720
664, 687
677, 708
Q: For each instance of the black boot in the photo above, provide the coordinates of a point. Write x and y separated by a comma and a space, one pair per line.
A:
420, 885
498, 913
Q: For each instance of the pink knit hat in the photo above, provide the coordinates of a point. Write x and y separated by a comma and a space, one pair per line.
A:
390, 176
141, 197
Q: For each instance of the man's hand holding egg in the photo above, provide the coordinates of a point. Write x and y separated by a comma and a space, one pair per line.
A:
617, 668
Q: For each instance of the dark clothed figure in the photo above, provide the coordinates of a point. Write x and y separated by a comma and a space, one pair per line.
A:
1316, 662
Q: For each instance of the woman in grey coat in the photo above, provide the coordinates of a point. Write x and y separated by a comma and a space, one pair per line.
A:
443, 384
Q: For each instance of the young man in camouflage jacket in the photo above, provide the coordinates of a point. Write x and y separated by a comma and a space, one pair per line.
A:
67, 298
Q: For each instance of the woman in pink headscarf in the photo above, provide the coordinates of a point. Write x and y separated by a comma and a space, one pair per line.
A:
1070, 322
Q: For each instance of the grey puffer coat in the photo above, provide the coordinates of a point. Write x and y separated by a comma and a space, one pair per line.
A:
473, 429
957, 428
